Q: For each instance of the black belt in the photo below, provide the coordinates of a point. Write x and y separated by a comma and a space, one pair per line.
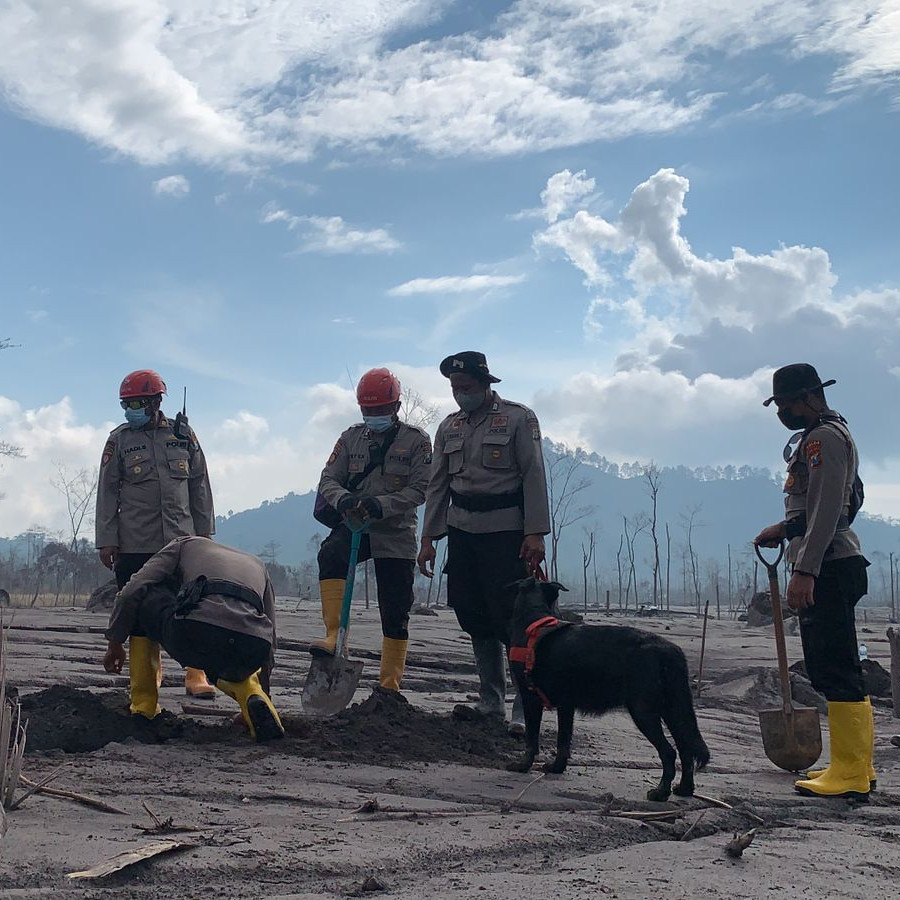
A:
488, 502
193, 592
796, 527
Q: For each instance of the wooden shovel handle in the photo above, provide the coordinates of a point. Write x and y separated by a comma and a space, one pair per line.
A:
778, 622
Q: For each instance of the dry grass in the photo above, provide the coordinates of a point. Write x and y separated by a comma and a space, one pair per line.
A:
45, 601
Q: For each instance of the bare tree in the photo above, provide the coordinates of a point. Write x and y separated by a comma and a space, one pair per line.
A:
619, 566
269, 552
587, 556
668, 563
653, 476
563, 487
416, 410
79, 490
637, 526
7, 449
689, 523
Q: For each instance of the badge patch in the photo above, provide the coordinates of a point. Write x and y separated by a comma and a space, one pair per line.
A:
456, 423
335, 453
499, 421
789, 482
495, 454
428, 458
814, 454
535, 429
108, 453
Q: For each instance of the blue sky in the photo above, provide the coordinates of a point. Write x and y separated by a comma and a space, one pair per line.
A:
258, 199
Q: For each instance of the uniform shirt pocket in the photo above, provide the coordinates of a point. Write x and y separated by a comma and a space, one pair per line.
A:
138, 466
179, 466
496, 452
396, 474
454, 450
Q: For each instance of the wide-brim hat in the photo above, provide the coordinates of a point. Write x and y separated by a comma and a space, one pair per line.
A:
795, 380
469, 362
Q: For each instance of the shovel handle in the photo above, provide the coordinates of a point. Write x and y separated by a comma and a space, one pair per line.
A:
356, 530
778, 623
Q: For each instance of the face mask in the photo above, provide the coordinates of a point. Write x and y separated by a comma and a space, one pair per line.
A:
468, 402
791, 421
136, 418
378, 424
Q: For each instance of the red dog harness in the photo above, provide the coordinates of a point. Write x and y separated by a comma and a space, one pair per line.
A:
534, 633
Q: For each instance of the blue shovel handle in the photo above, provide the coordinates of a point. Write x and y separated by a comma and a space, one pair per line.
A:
356, 531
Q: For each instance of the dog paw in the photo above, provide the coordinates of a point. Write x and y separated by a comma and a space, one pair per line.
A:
683, 790
523, 764
556, 767
658, 795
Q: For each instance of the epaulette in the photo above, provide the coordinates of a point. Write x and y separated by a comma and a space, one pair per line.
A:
119, 428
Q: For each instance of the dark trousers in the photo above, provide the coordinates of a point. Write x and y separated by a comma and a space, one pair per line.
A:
219, 652
480, 568
393, 579
126, 565
828, 631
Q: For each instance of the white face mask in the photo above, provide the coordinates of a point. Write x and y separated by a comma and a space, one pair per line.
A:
468, 402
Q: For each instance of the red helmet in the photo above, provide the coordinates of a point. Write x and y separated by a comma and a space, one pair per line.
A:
377, 387
143, 383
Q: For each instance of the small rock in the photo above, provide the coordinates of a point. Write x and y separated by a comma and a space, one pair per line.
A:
372, 884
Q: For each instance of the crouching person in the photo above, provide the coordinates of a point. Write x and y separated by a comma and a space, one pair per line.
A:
211, 608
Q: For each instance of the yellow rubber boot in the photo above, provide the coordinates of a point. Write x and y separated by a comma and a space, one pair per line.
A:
848, 774
145, 674
393, 662
873, 776
332, 590
260, 715
196, 685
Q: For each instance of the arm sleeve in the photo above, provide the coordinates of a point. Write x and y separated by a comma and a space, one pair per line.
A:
106, 531
534, 479
437, 494
200, 492
413, 494
160, 566
827, 458
335, 474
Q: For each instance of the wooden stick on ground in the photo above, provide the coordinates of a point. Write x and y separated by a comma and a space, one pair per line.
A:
129, 858
35, 787
70, 795
697, 821
521, 793
712, 801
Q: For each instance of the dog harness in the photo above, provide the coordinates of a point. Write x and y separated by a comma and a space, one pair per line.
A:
535, 633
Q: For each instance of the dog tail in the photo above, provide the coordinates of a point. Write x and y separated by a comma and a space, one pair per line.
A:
681, 718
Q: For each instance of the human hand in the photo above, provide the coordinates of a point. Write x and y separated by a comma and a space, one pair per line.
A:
114, 658
532, 551
771, 536
371, 507
800, 591
108, 556
427, 557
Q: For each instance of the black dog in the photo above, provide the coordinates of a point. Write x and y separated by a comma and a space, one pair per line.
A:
595, 668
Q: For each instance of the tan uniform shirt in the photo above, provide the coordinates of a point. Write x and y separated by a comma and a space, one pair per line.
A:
820, 475
187, 558
153, 487
398, 484
493, 452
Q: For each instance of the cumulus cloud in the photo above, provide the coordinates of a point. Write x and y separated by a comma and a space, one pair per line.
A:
236, 84
245, 428
176, 186
331, 234
563, 191
454, 284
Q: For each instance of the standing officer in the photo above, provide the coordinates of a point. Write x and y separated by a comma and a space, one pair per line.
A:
488, 494
822, 496
379, 468
153, 487
211, 607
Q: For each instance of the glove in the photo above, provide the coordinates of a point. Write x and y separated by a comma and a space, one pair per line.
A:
371, 507
346, 503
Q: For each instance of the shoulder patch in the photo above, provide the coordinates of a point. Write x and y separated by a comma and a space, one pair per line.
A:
335, 453
814, 454
109, 451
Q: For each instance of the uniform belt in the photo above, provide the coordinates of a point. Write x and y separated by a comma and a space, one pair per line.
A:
796, 527
488, 502
193, 592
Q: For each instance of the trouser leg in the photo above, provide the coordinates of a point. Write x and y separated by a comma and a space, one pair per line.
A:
394, 582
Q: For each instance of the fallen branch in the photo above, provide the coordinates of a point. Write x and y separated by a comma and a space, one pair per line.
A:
71, 795
521, 793
129, 858
194, 709
712, 801
739, 843
35, 787
697, 821
161, 826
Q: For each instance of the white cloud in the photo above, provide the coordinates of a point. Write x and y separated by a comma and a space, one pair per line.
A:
36, 315
237, 84
245, 428
454, 284
563, 191
331, 234
176, 186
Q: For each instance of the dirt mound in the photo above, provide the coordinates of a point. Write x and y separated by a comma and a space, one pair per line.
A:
759, 688
64, 718
385, 728
876, 677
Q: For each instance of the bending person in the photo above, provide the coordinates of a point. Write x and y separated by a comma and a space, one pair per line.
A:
212, 608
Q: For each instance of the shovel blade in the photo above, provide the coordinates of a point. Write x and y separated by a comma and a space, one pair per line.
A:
793, 741
330, 685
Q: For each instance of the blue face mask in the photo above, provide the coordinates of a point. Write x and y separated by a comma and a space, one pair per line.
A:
137, 418
468, 402
378, 424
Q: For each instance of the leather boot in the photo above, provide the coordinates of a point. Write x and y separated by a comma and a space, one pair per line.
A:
144, 674
196, 685
848, 774
873, 777
393, 662
256, 708
332, 591
517, 722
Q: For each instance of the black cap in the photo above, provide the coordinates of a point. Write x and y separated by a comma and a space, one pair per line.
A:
794, 380
469, 362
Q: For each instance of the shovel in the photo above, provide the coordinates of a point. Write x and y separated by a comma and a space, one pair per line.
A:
791, 735
332, 680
